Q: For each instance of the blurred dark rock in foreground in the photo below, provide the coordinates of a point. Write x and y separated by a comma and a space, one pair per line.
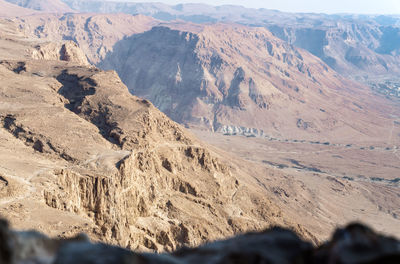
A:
354, 244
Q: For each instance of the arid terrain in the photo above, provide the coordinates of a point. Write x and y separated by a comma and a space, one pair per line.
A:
153, 135
96, 34
231, 78
360, 47
80, 153
333, 183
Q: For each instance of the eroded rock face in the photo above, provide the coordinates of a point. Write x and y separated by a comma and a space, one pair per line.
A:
350, 47
87, 155
95, 34
354, 244
67, 51
227, 78
134, 196
362, 47
141, 180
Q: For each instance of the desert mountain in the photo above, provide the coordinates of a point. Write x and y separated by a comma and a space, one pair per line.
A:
80, 153
362, 47
47, 6
193, 12
227, 88
363, 50
95, 34
233, 78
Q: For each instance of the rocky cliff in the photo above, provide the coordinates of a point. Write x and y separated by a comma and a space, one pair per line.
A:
62, 51
350, 47
362, 47
230, 76
227, 78
80, 153
95, 34
143, 181
351, 44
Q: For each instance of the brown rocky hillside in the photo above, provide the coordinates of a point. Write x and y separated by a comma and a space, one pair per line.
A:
80, 153
236, 79
95, 34
225, 77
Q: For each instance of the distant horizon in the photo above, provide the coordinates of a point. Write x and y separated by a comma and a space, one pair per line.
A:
361, 7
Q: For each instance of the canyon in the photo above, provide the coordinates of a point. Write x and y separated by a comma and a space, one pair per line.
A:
80, 153
361, 47
152, 134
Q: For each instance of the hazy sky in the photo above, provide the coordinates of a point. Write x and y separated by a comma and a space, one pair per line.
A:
324, 6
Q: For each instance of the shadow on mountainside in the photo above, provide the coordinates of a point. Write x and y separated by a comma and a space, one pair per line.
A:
76, 89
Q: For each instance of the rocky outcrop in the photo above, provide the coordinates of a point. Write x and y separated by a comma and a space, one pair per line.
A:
128, 198
130, 204
140, 179
354, 244
67, 51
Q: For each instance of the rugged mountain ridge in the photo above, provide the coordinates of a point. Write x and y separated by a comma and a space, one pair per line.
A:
92, 157
218, 86
362, 47
64, 51
350, 47
95, 34
233, 78
75, 147
127, 201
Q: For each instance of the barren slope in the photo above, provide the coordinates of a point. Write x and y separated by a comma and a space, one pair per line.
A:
237, 79
226, 78
322, 185
95, 34
80, 153
364, 48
